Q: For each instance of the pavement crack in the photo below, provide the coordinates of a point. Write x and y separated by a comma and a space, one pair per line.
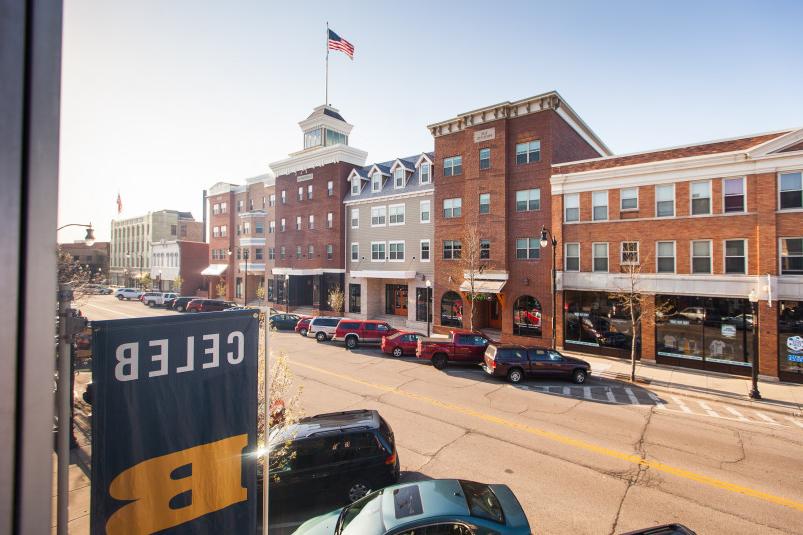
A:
465, 432
742, 454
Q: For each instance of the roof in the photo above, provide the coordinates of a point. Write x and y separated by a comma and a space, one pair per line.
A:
333, 421
672, 153
440, 497
412, 184
332, 113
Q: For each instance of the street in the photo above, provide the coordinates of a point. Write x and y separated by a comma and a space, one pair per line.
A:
605, 457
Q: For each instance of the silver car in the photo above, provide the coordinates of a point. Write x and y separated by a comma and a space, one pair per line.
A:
323, 328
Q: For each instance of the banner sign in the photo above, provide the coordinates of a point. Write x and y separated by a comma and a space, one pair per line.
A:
174, 416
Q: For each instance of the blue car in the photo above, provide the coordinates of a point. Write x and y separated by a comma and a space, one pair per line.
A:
435, 507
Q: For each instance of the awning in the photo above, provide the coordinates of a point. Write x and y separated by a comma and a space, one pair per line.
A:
214, 270
483, 286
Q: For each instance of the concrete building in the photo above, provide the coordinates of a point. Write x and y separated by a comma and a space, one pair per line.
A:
179, 258
389, 235
310, 228
131, 239
492, 174
95, 257
706, 226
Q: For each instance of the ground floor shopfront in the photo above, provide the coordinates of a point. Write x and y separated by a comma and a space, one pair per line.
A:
304, 288
405, 299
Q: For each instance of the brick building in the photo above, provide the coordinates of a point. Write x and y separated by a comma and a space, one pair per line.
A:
95, 257
492, 174
179, 258
310, 227
709, 226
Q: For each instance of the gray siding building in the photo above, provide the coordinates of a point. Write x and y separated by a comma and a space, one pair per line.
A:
389, 241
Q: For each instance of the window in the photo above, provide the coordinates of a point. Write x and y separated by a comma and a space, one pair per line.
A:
733, 189
452, 310
665, 200
300, 193
329, 251
298, 251
485, 158
298, 222
309, 191
259, 227
453, 166
736, 256
396, 214
240, 205
272, 253
215, 209
284, 197
791, 256
282, 252
223, 231
378, 216
571, 208
258, 253
628, 199
376, 182
272, 200
629, 253
330, 219
485, 203
355, 218
528, 248
599, 203
355, 185
312, 138
335, 138
527, 316
485, 249
572, 261
423, 308
600, 256
425, 250
398, 177
528, 200
424, 173
528, 152
310, 251
224, 208
791, 190
452, 249
377, 251
424, 211
665, 253
354, 298
701, 197
452, 208
215, 232
330, 188
246, 228
251, 205
396, 251
355, 252
311, 221
701, 256
282, 226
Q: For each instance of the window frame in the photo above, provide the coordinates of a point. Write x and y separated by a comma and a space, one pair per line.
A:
330, 251
487, 205
781, 256
356, 183
330, 219
529, 200
594, 206
384, 251
485, 241
789, 172
398, 173
375, 182
566, 207
421, 175
298, 222
528, 248
622, 261
691, 197
452, 208
311, 221
743, 194
622, 198
725, 256
528, 151
674, 199
452, 249
674, 256
421, 250
403, 207
352, 251
384, 216
594, 257
403, 252
352, 219
300, 193
421, 212
488, 159
454, 165
566, 257
710, 257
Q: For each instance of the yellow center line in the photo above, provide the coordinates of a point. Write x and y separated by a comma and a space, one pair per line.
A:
568, 441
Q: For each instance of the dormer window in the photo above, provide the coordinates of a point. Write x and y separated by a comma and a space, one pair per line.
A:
312, 138
334, 138
355, 185
425, 173
376, 182
398, 178
316, 137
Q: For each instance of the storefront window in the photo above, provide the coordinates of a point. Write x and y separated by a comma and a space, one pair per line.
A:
790, 339
527, 316
595, 319
355, 298
422, 303
452, 310
709, 329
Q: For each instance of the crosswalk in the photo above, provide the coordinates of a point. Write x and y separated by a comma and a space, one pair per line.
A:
668, 403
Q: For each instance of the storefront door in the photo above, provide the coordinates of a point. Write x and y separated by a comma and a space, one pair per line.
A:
400, 301
494, 314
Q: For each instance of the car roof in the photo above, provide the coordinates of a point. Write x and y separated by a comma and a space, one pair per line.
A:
510, 346
440, 497
330, 422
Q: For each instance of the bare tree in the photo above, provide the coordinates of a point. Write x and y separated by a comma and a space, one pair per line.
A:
468, 267
178, 282
145, 281
337, 299
220, 288
260, 292
79, 276
631, 299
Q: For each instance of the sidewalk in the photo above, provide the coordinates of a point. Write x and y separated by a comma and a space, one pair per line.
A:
780, 397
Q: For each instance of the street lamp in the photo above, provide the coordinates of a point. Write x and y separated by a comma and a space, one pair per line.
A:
754, 393
89, 239
287, 292
245, 257
160, 280
429, 298
545, 235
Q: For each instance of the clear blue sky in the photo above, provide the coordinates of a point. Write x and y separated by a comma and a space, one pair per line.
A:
163, 99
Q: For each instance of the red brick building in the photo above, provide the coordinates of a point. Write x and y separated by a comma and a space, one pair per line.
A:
708, 226
222, 238
492, 170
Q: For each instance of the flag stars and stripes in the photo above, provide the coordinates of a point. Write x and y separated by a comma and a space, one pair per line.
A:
338, 43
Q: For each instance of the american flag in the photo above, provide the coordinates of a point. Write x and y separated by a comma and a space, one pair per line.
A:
338, 43
119, 203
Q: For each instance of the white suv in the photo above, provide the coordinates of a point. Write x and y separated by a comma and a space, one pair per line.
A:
127, 293
156, 299
323, 328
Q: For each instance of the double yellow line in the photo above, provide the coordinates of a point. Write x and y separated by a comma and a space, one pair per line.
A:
568, 441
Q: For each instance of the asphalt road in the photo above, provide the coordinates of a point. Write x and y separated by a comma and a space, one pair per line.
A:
606, 458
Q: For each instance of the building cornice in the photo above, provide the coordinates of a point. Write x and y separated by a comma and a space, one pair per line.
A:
386, 198
310, 159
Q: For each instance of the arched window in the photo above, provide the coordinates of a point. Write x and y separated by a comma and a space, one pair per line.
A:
452, 309
527, 316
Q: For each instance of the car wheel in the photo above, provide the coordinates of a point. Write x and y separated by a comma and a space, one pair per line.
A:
352, 342
515, 375
119, 297
579, 376
358, 489
439, 361
320, 336
397, 352
303, 332
180, 308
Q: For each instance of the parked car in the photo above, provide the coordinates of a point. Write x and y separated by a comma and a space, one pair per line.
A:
400, 343
461, 346
434, 507
127, 294
323, 328
208, 305
180, 303
516, 362
156, 299
666, 529
356, 332
349, 453
168, 302
303, 326
283, 322
98, 289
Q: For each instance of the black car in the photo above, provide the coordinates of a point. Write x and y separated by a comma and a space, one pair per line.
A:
180, 303
284, 322
347, 454
168, 303
516, 362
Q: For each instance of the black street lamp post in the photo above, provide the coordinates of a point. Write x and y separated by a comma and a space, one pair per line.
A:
287, 292
245, 295
429, 299
545, 235
754, 393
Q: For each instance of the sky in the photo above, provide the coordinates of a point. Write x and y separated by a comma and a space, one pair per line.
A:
161, 100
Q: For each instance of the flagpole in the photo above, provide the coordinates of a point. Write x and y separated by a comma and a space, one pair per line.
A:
326, 99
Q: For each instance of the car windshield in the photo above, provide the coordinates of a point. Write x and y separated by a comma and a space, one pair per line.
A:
482, 502
362, 516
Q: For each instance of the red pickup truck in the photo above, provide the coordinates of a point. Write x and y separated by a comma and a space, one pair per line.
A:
461, 346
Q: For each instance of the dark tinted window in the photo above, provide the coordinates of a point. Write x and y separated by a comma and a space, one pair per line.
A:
407, 501
370, 326
349, 325
513, 354
382, 327
464, 339
482, 502
538, 354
